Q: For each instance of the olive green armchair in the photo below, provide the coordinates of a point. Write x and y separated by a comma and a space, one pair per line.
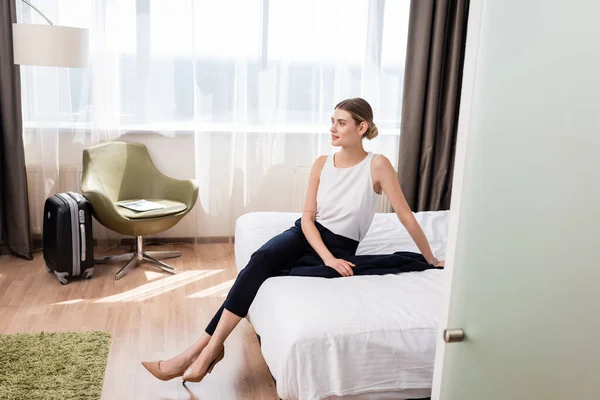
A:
116, 172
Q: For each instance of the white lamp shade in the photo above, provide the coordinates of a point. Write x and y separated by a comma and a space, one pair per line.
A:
50, 45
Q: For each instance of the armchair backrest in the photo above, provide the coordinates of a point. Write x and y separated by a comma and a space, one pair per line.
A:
120, 170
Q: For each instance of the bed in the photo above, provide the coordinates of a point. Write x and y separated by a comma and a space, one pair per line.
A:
359, 337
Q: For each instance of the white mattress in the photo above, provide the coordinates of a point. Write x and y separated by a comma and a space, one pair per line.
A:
358, 335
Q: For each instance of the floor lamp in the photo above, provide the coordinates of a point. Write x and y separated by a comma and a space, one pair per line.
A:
49, 45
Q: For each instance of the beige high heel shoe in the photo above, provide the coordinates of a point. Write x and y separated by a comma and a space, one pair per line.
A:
189, 375
154, 368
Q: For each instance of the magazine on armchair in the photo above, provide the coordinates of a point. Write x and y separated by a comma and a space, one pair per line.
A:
141, 205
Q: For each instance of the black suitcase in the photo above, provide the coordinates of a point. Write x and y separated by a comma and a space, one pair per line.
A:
67, 236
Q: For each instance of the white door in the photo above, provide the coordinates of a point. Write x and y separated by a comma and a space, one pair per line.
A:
524, 240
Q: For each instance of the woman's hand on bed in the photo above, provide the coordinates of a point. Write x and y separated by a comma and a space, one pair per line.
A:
440, 263
343, 267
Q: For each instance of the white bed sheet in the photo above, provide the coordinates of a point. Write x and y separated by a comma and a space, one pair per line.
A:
350, 336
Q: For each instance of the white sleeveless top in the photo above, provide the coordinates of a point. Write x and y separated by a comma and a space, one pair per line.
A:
346, 201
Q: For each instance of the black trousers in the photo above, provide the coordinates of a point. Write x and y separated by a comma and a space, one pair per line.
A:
289, 253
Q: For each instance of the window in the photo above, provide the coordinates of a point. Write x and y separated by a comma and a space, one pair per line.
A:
228, 63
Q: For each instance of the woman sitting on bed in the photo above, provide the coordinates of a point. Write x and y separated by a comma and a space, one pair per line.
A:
343, 195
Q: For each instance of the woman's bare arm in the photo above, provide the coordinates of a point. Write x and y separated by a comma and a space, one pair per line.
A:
385, 177
308, 222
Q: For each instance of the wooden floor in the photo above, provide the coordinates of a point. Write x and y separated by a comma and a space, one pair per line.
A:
151, 316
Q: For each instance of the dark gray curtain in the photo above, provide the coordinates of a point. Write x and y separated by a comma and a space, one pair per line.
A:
432, 81
15, 237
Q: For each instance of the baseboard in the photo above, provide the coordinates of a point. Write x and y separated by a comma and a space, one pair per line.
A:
36, 240
186, 240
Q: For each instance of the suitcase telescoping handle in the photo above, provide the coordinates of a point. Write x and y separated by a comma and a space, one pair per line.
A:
76, 196
79, 198
82, 231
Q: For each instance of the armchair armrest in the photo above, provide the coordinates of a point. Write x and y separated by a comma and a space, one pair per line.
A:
104, 209
182, 190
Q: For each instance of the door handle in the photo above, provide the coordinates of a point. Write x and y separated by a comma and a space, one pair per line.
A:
453, 335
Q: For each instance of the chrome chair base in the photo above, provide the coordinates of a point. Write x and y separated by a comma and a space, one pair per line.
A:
137, 257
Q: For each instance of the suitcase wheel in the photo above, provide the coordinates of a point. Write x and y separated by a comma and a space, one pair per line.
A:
62, 277
89, 273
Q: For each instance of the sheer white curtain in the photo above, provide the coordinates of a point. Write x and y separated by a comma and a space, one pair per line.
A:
236, 93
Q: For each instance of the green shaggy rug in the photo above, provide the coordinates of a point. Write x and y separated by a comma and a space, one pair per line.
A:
63, 365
